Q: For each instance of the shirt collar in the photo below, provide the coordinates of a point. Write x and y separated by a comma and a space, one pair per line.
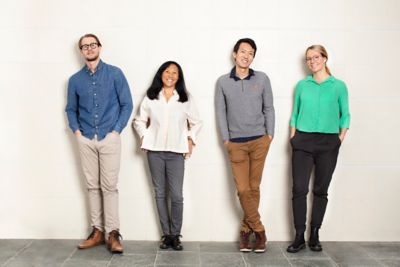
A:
311, 79
99, 67
161, 93
236, 78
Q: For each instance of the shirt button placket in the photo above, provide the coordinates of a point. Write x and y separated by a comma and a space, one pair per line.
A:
166, 120
318, 107
96, 104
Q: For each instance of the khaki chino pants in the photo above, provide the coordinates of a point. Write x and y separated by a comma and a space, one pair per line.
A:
100, 164
247, 162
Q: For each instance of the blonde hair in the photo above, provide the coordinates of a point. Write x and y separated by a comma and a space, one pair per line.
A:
322, 51
86, 36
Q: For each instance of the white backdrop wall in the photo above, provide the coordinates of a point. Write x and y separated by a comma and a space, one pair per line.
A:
42, 193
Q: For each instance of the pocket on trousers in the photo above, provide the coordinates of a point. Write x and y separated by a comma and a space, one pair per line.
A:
228, 146
113, 137
339, 141
266, 139
81, 138
291, 140
236, 155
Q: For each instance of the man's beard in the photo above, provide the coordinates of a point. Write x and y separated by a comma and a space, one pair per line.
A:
92, 59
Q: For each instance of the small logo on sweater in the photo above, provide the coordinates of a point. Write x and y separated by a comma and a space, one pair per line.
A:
255, 88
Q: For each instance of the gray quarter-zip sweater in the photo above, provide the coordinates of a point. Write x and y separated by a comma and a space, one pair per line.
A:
244, 107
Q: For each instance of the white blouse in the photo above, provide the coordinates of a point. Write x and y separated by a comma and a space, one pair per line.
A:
170, 123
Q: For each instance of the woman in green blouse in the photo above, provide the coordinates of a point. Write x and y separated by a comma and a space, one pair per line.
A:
319, 123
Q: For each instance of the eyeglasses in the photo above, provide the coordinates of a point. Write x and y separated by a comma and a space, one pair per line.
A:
92, 46
314, 58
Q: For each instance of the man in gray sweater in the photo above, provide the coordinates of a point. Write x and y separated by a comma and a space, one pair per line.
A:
246, 118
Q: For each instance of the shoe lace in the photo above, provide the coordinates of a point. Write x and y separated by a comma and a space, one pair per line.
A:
165, 237
176, 242
177, 237
115, 234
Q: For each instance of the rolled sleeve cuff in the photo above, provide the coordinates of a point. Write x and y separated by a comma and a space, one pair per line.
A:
193, 137
345, 121
345, 124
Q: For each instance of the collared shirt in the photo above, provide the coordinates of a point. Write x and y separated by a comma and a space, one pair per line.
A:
236, 78
244, 107
171, 123
320, 107
99, 102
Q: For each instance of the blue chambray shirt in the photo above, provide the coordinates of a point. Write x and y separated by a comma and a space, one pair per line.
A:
99, 102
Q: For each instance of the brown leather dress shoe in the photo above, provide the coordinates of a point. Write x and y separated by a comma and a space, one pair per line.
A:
94, 239
114, 243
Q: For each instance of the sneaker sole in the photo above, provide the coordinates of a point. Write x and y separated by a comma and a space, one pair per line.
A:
245, 250
261, 250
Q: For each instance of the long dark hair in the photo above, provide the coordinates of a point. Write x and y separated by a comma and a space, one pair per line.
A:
157, 84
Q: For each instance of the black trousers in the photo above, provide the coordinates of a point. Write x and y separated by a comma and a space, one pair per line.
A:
310, 150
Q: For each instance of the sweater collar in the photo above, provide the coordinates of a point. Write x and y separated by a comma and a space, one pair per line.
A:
236, 78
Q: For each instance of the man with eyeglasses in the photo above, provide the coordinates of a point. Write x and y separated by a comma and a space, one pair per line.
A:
246, 118
98, 107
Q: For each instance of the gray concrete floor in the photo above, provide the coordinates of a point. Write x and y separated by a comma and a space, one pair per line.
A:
17, 252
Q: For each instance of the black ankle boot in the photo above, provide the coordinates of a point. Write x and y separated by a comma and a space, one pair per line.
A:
298, 244
166, 241
313, 242
176, 242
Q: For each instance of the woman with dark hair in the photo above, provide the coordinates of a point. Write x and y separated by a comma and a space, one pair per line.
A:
319, 123
168, 124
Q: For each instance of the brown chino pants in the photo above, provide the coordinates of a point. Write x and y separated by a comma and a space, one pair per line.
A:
247, 161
